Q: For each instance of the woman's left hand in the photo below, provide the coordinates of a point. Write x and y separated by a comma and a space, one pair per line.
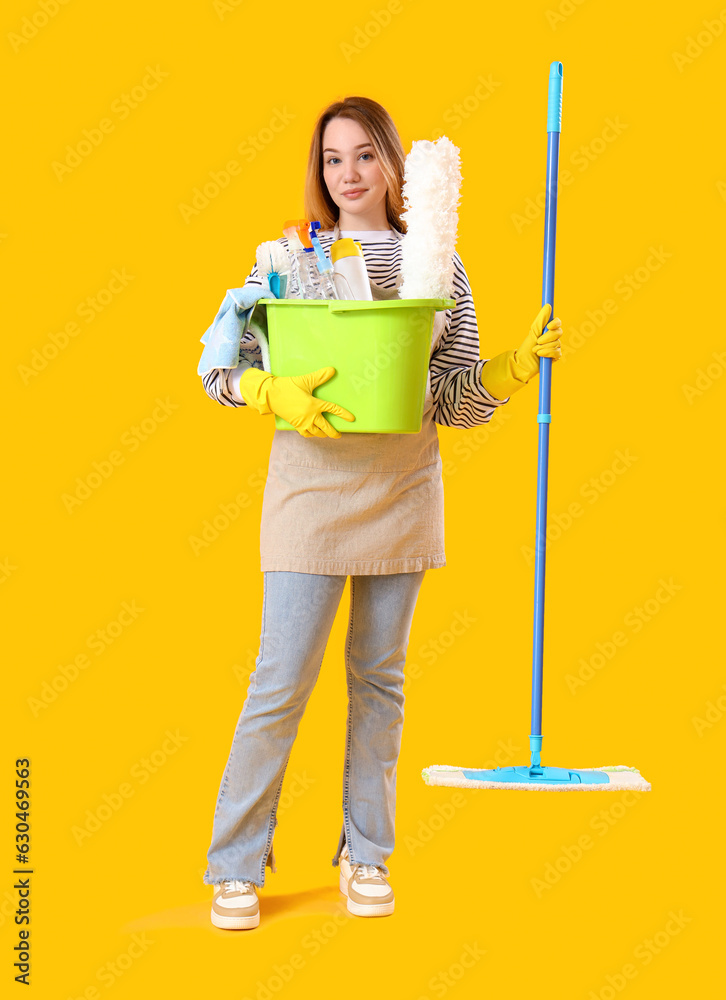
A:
539, 343
509, 372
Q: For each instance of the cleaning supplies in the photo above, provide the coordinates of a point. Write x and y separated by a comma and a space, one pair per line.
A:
300, 227
294, 247
380, 351
536, 777
310, 277
349, 270
236, 316
298, 241
273, 262
432, 181
312, 271
325, 268
612, 778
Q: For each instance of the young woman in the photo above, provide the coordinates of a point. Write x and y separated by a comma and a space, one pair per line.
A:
368, 506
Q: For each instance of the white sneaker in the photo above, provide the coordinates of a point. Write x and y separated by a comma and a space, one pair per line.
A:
235, 906
368, 892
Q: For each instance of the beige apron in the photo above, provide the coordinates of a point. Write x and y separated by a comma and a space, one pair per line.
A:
358, 504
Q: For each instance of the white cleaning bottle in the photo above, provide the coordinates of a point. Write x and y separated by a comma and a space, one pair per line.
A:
349, 270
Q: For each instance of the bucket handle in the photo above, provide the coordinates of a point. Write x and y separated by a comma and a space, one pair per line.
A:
338, 305
350, 305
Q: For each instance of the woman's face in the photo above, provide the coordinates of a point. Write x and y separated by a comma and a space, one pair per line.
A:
350, 165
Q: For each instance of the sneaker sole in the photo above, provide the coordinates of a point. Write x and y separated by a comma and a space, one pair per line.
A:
235, 923
365, 909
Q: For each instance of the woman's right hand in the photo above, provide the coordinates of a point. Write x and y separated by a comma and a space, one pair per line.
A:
290, 397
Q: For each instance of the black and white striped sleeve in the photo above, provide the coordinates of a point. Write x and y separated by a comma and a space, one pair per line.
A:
460, 400
217, 382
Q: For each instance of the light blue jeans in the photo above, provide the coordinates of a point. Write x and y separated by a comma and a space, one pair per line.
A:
298, 611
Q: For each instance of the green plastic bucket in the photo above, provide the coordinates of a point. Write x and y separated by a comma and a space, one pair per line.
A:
380, 352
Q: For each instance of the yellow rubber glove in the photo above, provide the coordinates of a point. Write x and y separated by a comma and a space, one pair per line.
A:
510, 371
290, 397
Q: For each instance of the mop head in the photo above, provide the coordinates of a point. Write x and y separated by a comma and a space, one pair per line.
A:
432, 180
619, 778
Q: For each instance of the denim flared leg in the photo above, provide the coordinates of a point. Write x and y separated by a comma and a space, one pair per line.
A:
381, 613
298, 611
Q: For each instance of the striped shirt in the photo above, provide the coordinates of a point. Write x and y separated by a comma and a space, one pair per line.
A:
459, 399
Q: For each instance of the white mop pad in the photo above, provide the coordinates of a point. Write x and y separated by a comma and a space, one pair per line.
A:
621, 778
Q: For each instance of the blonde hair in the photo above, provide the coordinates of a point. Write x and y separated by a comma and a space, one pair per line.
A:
381, 131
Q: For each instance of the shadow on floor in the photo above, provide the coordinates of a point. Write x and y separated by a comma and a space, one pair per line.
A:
323, 900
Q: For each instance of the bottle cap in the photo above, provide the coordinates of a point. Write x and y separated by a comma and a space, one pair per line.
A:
345, 247
301, 227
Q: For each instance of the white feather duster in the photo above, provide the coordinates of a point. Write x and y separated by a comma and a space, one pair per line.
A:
431, 187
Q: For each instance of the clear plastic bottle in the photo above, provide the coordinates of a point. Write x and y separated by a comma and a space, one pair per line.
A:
328, 285
309, 276
297, 239
326, 277
300, 285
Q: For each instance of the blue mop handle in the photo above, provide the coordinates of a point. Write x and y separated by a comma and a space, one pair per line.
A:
554, 124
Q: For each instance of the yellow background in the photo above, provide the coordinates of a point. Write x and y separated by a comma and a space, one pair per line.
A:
469, 868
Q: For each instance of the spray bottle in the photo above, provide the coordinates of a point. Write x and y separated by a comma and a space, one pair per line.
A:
303, 282
326, 282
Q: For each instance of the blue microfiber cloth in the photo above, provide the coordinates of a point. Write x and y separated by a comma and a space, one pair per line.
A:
232, 322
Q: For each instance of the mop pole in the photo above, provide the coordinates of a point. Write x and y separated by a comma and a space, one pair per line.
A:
554, 123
